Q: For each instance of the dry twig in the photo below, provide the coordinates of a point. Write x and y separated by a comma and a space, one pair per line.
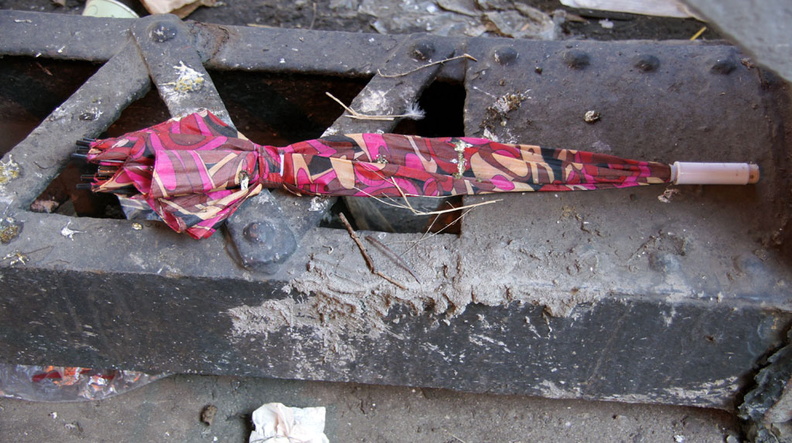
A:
698, 33
366, 257
409, 207
412, 113
457, 438
428, 234
393, 256
466, 55
313, 19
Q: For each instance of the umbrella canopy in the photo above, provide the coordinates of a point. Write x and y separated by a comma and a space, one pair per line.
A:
195, 171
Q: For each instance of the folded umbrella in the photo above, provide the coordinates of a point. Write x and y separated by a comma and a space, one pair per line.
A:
195, 171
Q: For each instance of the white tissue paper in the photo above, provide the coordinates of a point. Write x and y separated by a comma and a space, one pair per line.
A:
277, 423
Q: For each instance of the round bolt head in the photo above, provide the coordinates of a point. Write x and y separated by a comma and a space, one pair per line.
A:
505, 55
723, 66
576, 59
646, 63
255, 232
161, 32
423, 50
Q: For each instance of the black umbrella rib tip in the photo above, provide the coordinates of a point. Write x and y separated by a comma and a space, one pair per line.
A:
126, 190
85, 142
100, 161
78, 155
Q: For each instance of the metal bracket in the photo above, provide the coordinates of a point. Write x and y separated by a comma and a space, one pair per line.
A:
175, 66
88, 112
260, 233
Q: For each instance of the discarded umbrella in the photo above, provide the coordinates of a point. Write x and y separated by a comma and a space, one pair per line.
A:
195, 171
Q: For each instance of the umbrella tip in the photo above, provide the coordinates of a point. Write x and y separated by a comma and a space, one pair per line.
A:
687, 173
753, 173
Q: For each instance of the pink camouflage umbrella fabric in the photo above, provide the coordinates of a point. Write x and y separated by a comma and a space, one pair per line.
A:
195, 171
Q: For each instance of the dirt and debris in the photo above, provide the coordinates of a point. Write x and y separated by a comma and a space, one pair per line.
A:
460, 18
208, 414
769, 403
351, 15
15, 258
46, 205
412, 112
668, 194
347, 301
518, 20
180, 8
9, 170
497, 114
189, 80
9, 230
663, 8
69, 233
591, 116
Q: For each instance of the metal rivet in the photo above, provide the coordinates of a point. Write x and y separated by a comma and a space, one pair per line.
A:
646, 63
505, 55
162, 31
254, 233
723, 66
423, 50
576, 59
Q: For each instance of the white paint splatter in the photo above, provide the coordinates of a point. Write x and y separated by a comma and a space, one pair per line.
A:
68, 232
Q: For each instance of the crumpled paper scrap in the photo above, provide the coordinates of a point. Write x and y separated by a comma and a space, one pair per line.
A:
472, 18
181, 8
277, 423
661, 8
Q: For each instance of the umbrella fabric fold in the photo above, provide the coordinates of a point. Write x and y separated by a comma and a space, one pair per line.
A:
195, 171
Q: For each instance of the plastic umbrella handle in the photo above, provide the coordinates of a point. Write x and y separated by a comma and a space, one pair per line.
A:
687, 173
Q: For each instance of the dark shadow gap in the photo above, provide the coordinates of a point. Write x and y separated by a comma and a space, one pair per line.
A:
444, 105
62, 195
30, 89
